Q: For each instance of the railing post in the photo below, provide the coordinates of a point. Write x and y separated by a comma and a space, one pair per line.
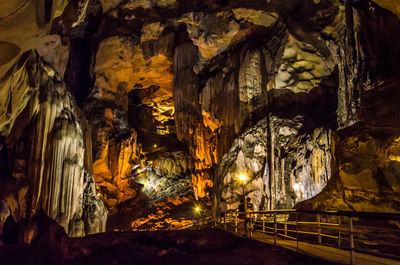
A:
285, 230
264, 222
236, 222
351, 240
246, 224
225, 220
319, 228
297, 233
251, 225
339, 234
275, 229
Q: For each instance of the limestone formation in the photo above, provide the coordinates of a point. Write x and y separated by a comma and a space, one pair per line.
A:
25, 24
283, 164
141, 65
167, 176
302, 68
115, 148
46, 146
55, 53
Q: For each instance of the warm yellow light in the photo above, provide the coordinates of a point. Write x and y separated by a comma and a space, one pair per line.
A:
197, 209
155, 146
242, 177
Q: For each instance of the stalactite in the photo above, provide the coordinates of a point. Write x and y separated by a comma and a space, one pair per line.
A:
50, 131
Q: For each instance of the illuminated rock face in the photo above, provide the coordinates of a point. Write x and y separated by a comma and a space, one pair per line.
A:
283, 81
302, 68
167, 176
237, 91
55, 53
25, 24
283, 164
368, 176
138, 64
48, 151
4, 213
212, 40
115, 147
391, 5
366, 158
129, 68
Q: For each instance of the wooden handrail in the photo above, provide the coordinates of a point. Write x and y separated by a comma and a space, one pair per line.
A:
344, 231
370, 215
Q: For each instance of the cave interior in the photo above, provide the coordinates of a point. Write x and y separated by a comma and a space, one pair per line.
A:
126, 115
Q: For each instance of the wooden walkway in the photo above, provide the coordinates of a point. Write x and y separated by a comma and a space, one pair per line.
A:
324, 252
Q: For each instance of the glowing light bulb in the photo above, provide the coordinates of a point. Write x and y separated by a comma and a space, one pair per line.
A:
155, 146
197, 209
242, 177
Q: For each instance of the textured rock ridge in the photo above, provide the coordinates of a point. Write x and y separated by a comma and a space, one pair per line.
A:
167, 176
46, 151
25, 24
304, 67
115, 148
365, 158
284, 164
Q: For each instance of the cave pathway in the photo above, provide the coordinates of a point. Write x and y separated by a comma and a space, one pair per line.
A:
280, 228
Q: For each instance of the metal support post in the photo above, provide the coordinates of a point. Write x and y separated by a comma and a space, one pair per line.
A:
340, 232
225, 221
319, 228
236, 222
351, 240
251, 225
285, 230
297, 233
263, 222
275, 229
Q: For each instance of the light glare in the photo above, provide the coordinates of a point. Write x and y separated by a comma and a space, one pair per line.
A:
242, 177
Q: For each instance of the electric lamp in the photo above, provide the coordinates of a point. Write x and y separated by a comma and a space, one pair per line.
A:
242, 177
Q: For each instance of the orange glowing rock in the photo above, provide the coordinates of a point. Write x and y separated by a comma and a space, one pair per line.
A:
112, 171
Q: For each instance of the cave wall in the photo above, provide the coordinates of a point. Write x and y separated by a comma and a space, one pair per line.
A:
258, 63
303, 64
340, 58
284, 164
47, 151
298, 95
116, 150
168, 175
365, 157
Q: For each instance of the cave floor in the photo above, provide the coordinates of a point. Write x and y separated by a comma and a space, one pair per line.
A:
328, 253
205, 246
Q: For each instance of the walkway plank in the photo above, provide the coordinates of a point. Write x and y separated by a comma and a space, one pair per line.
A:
324, 252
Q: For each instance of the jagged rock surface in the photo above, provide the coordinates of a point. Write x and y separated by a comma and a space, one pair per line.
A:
283, 164
366, 158
167, 176
25, 24
47, 151
115, 147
